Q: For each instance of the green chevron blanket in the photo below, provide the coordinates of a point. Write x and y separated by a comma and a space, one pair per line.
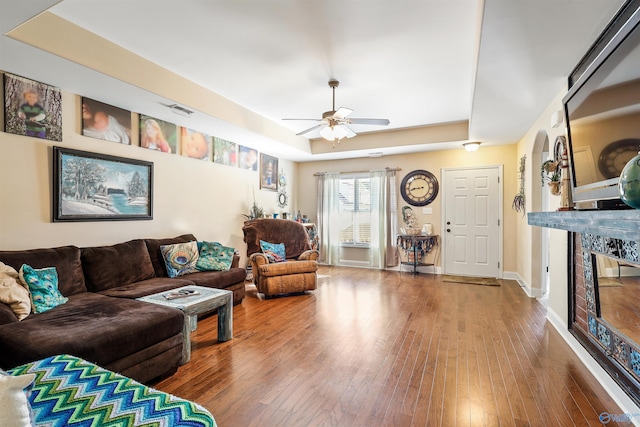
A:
69, 391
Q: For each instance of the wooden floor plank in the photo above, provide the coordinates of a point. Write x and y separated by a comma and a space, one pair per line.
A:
374, 348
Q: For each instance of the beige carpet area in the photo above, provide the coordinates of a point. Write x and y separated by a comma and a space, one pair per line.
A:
486, 281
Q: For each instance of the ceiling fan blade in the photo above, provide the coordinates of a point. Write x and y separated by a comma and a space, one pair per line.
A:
314, 120
382, 122
350, 132
342, 113
311, 128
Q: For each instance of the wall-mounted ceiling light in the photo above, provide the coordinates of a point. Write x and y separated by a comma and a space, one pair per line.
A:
471, 146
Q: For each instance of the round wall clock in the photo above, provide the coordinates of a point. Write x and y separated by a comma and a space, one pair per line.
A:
615, 156
419, 187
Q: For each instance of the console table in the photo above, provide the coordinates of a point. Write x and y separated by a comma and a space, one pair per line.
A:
416, 247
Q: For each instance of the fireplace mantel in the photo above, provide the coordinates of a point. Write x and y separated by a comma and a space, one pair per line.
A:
622, 224
616, 235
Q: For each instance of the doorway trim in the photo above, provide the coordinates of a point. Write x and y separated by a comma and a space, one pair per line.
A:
443, 205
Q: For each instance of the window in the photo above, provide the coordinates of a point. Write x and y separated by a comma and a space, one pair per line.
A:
355, 210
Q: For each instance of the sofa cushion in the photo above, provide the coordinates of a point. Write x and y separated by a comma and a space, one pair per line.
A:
214, 257
180, 258
218, 279
43, 287
147, 287
13, 293
92, 326
121, 264
65, 259
153, 246
275, 252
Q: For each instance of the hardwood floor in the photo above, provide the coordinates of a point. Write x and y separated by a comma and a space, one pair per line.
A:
373, 348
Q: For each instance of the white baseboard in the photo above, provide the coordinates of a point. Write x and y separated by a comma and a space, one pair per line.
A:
625, 403
513, 275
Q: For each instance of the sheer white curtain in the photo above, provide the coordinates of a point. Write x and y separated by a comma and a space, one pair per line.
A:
328, 190
384, 218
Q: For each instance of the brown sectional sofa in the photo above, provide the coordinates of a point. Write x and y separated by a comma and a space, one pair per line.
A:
102, 322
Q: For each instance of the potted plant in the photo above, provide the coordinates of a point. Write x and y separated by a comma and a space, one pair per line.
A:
550, 173
255, 211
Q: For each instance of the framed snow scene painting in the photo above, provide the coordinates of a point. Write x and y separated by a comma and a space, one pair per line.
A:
98, 187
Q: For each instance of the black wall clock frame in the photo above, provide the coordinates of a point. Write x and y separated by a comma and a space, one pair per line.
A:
419, 187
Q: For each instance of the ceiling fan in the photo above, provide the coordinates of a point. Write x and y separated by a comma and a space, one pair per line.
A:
335, 122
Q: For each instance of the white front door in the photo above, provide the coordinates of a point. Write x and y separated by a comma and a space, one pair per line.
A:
471, 217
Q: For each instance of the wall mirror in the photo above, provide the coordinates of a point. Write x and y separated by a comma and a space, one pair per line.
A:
618, 285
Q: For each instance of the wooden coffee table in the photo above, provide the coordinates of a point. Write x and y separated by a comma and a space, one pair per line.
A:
206, 300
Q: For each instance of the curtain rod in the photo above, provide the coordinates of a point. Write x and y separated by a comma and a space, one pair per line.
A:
363, 171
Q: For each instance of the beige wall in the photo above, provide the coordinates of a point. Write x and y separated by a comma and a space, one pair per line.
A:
432, 161
190, 196
528, 237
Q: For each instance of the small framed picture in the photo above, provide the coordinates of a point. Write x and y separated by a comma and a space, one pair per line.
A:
32, 108
268, 172
104, 121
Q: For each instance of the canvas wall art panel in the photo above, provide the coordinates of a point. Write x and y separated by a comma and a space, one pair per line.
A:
104, 121
156, 134
32, 108
225, 152
248, 158
195, 144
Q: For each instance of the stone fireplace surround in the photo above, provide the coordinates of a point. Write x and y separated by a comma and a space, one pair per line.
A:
615, 234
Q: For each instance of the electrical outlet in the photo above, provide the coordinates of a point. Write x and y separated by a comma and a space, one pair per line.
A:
427, 211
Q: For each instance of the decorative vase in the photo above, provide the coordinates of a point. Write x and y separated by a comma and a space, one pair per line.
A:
554, 186
427, 229
629, 183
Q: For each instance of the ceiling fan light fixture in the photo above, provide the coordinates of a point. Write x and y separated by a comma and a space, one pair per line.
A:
471, 146
339, 132
327, 133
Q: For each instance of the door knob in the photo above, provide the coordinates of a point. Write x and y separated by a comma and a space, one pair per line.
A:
448, 230
448, 222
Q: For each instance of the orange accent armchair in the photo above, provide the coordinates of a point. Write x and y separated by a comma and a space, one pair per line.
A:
295, 275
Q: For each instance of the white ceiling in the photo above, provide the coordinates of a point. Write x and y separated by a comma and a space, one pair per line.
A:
496, 63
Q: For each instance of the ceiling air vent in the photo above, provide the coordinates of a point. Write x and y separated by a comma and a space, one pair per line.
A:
179, 109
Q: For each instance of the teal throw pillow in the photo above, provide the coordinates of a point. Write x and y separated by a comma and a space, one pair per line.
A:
214, 257
181, 258
274, 252
43, 287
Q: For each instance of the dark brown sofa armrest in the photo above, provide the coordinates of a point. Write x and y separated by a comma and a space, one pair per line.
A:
310, 255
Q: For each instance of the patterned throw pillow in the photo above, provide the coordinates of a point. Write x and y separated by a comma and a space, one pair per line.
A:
180, 258
274, 252
43, 286
214, 257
